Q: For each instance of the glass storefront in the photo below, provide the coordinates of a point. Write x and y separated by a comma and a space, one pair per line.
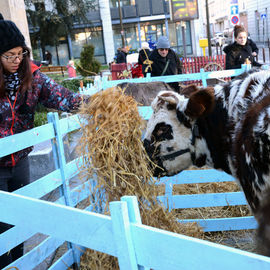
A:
151, 32
179, 35
93, 36
114, 3
131, 37
148, 31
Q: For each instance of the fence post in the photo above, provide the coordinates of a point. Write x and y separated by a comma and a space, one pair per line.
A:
245, 67
148, 77
203, 77
122, 236
60, 162
168, 194
134, 215
104, 82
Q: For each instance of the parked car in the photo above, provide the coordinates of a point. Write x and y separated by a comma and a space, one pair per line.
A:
220, 39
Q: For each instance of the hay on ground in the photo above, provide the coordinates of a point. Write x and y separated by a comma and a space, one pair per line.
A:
113, 151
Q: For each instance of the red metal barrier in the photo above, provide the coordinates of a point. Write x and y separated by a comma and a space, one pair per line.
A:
120, 71
194, 64
208, 63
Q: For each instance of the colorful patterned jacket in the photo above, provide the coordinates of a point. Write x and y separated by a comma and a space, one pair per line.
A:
18, 116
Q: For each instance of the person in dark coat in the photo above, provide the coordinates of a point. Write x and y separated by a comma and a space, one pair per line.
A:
48, 57
240, 52
121, 56
143, 58
165, 61
253, 46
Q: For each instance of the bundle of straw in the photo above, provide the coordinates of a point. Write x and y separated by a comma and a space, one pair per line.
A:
113, 150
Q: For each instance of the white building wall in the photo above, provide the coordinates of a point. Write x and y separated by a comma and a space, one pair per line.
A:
14, 10
105, 15
198, 29
259, 28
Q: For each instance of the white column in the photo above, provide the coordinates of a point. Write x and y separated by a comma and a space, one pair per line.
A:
14, 10
198, 29
105, 15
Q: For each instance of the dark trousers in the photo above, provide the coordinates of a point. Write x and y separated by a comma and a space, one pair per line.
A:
12, 178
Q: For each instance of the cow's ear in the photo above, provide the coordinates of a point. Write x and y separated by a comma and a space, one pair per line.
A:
168, 97
200, 103
164, 98
188, 90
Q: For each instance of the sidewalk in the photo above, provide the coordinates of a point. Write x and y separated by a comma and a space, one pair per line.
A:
266, 53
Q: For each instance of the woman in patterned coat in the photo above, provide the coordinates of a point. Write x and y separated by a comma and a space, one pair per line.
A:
22, 87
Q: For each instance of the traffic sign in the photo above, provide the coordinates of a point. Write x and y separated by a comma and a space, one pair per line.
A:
235, 19
234, 9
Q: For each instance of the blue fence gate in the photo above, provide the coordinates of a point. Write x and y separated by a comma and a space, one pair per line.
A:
122, 234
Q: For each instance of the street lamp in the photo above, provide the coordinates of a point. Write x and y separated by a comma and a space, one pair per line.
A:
208, 28
121, 24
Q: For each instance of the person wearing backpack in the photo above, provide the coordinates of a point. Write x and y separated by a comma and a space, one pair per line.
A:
143, 58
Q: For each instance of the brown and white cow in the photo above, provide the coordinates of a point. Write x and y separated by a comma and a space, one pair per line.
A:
226, 127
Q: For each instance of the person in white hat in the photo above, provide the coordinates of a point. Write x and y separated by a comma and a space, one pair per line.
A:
143, 58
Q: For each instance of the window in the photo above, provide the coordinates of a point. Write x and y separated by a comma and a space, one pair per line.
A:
131, 37
87, 36
114, 3
179, 46
128, 2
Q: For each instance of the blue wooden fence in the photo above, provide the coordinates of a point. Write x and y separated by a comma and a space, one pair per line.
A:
104, 83
121, 234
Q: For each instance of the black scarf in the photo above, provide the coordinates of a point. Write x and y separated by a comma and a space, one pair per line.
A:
12, 84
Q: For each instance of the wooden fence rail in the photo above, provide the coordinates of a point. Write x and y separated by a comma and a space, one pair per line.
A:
121, 235
202, 75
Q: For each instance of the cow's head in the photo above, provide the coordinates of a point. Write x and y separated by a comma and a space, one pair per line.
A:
172, 138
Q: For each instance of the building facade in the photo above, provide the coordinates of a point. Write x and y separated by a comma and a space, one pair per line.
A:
142, 20
14, 10
254, 15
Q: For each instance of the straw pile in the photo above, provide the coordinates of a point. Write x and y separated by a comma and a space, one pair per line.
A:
113, 151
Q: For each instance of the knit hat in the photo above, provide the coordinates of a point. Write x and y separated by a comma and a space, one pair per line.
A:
10, 36
163, 43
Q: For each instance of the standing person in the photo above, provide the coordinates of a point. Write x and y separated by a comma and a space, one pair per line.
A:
165, 61
240, 52
22, 86
71, 69
143, 58
48, 57
121, 56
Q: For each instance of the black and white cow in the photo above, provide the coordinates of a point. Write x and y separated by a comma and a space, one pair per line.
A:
226, 127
